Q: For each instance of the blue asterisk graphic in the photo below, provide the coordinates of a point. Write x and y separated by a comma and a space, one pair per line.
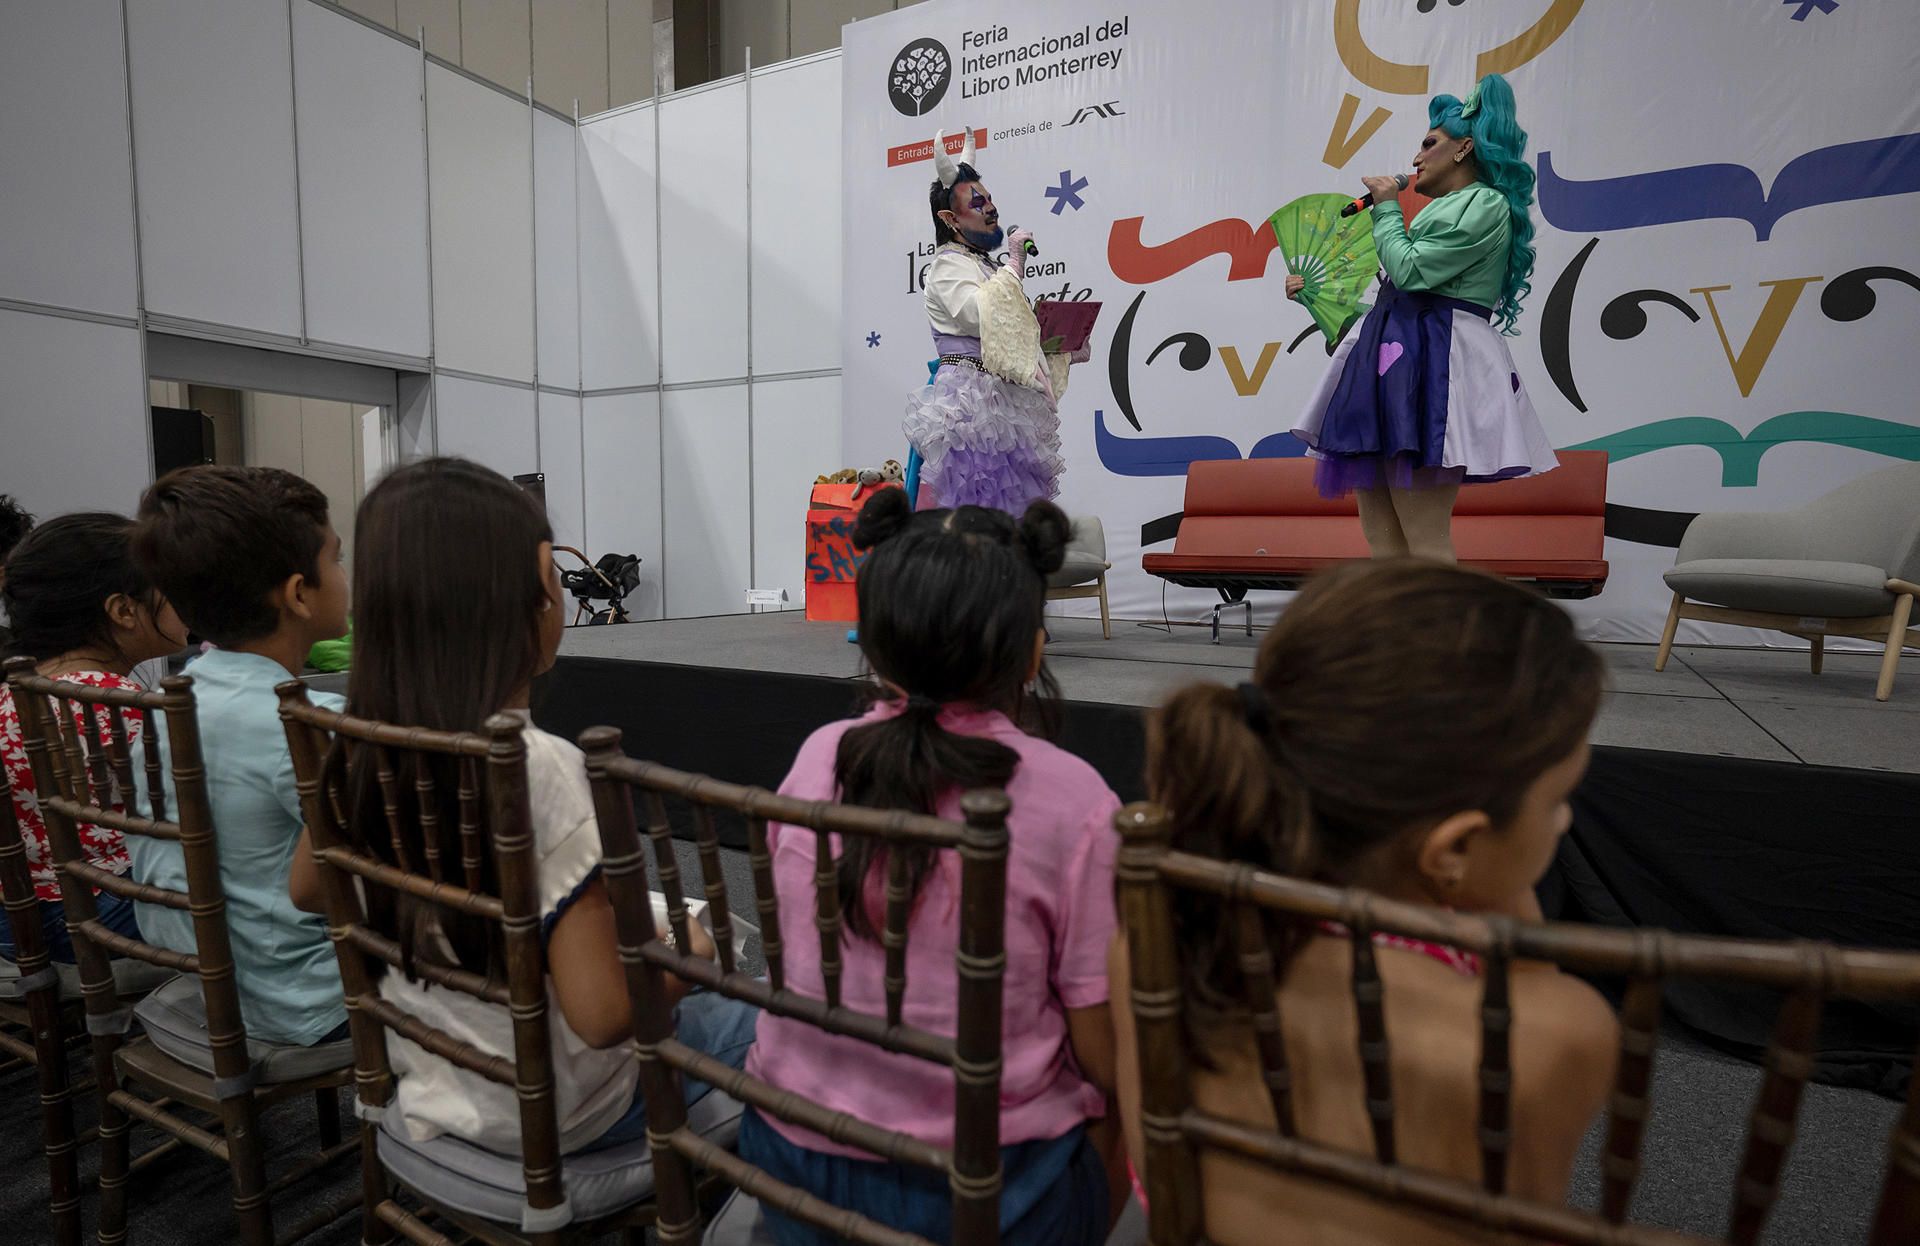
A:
1807, 6
1067, 193
873, 340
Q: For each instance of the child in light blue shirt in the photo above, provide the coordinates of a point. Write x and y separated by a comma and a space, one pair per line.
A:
256, 566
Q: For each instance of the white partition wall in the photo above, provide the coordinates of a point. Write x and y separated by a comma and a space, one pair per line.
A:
708, 532
66, 200
620, 252
363, 184
703, 234
796, 249
480, 167
76, 423
560, 459
283, 182
492, 424
212, 85
620, 448
556, 237
796, 431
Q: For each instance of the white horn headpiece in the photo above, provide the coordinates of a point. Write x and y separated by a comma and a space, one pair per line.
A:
943, 164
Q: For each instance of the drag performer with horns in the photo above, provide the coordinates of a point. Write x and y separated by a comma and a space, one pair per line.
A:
987, 427
1422, 395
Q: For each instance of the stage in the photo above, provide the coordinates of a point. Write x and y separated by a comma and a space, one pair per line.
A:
1760, 704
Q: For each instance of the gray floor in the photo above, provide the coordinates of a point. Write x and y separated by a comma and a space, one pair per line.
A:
1757, 703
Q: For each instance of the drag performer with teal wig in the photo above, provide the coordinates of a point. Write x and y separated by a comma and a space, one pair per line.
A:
1422, 395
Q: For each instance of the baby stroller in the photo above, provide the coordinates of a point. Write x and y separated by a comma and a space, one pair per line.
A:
611, 580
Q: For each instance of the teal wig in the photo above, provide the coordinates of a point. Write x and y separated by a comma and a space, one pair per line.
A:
1499, 150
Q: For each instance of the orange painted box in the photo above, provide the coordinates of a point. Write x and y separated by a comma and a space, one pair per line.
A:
832, 561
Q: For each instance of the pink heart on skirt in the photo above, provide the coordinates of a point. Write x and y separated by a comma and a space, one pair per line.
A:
1389, 351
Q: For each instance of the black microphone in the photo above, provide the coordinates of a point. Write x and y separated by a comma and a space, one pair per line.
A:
1366, 200
1030, 248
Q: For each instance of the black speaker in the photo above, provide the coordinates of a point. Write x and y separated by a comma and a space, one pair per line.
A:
181, 438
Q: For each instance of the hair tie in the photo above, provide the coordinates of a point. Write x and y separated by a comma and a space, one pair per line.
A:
919, 704
1253, 707
1471, 104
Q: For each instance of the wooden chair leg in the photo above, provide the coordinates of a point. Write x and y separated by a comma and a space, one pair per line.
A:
1106, 622
240, 1124
1819, 651
1666, 637
374, 1230
1896, 637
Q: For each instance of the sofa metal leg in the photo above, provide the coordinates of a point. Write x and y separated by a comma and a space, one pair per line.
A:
1896, 637
1666, 636
1819, 650
1106, 623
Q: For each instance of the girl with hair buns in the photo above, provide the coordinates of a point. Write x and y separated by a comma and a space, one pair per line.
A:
1422, 396
1413, 730
950, 622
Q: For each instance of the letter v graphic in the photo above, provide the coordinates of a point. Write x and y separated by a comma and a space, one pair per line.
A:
1752, 359
1244, 385
1342, 142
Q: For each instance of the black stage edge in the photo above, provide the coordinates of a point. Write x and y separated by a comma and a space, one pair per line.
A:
1695, 844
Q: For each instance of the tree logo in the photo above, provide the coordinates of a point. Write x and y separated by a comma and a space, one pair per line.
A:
919, 76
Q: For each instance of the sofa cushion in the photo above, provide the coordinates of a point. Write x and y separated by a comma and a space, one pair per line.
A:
1841, 590
467, 1178
175, 1019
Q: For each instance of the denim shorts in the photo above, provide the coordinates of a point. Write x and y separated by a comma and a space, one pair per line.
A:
116, 914
1055, 1192
706, 1021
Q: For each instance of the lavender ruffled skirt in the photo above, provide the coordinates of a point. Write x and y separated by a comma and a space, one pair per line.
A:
983, 441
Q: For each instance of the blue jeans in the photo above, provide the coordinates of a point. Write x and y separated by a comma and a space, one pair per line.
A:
1055, 1192
706, 1021
116, 914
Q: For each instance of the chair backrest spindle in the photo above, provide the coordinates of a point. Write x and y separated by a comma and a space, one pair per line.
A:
1176, 1131
972, 1163
766, 903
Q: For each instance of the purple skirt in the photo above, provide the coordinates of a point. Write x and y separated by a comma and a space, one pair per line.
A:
983, 441
1422, 393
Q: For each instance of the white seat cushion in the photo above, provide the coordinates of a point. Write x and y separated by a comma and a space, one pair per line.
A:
467, 1178
175, 1018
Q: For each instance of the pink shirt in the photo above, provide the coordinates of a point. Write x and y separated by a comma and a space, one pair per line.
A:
1059, 920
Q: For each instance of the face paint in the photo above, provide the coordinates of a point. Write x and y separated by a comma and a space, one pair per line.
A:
978, 223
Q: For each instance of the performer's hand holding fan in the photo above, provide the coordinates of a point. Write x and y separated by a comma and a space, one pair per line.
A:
1333, 253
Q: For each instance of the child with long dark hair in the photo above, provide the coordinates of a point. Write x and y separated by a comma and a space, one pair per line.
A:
1415, 730
951, 606
456, 608
79, 605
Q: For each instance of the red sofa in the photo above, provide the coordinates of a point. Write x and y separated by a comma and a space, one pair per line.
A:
1260, 523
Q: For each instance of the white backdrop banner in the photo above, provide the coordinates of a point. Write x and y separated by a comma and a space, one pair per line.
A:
1725, 296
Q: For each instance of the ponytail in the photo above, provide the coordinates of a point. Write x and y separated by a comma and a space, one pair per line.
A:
1388, 696
951, 602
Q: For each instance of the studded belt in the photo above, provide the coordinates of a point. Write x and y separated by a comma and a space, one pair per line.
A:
963, 361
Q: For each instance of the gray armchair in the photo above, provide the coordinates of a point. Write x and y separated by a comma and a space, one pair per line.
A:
1084, 573
1845, 564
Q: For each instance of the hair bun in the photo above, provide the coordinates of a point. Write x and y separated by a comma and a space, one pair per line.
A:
1044, 532
885, 516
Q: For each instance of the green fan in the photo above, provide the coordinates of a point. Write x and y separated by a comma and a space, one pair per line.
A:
1334, 253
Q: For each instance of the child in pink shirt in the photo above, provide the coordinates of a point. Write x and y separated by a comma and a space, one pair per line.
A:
950, 621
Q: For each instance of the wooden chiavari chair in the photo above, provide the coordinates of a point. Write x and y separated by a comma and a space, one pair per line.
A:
1176, 1131
35, 1033
76, 781
972, 1164
545, 1198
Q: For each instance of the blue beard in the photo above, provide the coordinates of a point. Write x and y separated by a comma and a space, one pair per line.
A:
984, 241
